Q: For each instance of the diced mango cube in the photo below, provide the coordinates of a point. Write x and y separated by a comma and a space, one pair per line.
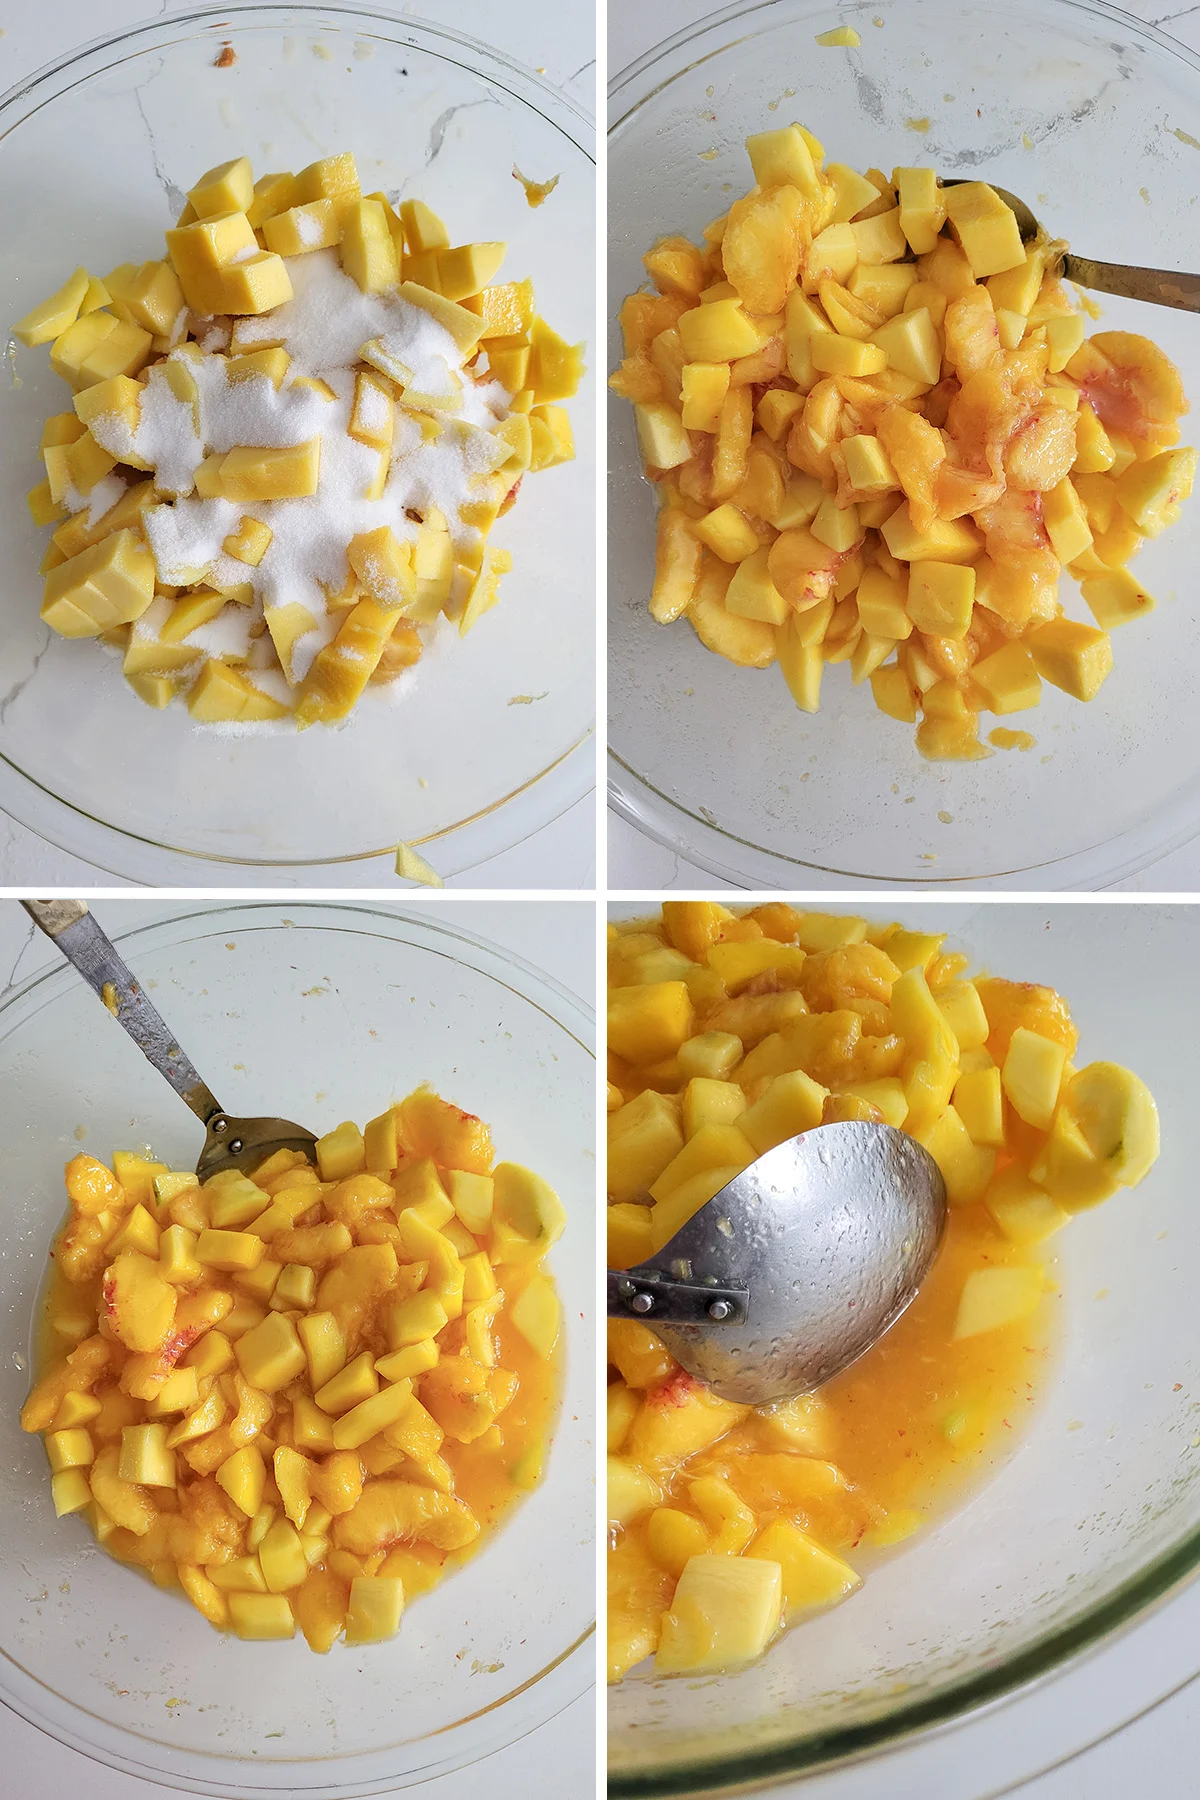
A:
791, 1103
69, 1449
993, 1298
227, 188
941, 598
251, 473
281, 1558
229, 1250
111, 583
271, 1355
52, 317
70, 1492
145, 1459
1074, 657
725, 1611
985, 227
357, 1381
259, 1617
1032, 1074
376, 1603
537, 1315
243, 1477
1008, 679
649, 1022
341, 1153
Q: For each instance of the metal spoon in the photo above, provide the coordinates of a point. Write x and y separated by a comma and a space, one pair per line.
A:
1163, 287
229, 1143
797, 1266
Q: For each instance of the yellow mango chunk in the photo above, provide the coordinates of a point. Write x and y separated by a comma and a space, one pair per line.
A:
649, 1022
250, 542
221, 693
376, 1604
227, 188
725, 1611
985, 227
52, 317
993, 1298
1031, 1075
260, 1617
340, 672
251, 473
813, 1578
145, 1458
111, 583
537, 1315
243, 1477
313, 226
271, 1354
229, 1250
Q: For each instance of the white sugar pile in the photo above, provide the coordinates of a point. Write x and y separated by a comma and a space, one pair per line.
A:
436, 461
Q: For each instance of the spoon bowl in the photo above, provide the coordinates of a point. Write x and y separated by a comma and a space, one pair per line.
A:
797, 1266
229, 1143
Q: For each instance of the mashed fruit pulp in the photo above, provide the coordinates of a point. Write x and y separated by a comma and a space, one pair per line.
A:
878, 435
289, 441
303, 1397
728, 1035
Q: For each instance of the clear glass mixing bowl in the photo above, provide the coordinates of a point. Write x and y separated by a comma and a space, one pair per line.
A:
318, 1011
1085, 113
1096, 1513
95, 152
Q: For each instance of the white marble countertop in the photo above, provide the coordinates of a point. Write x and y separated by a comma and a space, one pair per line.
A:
558, 41
637, 862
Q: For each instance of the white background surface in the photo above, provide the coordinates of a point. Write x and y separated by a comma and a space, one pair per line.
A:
635, 861
556, 39
558, 937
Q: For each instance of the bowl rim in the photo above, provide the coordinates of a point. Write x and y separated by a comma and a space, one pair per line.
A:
699, 839
571, 774
1032, 1668
571, 1670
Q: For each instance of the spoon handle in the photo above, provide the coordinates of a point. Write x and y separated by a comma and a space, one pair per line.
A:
70, 925
1163, 287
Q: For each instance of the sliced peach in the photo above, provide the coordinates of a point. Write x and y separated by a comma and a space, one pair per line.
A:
431, 1126
139, 1302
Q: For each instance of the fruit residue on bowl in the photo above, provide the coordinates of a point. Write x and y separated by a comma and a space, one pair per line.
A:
879, 434
289, 441
727, 1035
305, 1395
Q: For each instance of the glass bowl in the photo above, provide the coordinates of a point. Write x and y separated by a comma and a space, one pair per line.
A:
95, 152
1095, 1514
1083, 112
320, 1011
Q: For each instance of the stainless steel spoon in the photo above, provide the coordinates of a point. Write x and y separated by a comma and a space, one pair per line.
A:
229, 1143
794, 1269
1162, 287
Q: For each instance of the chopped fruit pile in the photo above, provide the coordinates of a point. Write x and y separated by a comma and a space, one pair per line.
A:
728, 1035
303, 1397
289, 441
879, 435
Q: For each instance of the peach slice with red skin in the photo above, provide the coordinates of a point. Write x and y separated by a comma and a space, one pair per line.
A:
139, 1302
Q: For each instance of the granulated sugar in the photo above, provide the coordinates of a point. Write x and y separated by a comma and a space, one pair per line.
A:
187, 536
100, 498
436, 460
